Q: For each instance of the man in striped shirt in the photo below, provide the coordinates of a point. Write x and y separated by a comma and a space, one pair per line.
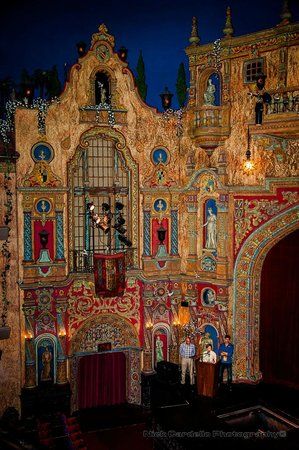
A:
187, 353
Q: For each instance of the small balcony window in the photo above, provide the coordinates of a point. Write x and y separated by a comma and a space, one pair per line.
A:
252, 68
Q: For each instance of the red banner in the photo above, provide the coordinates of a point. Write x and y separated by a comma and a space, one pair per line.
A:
109, 274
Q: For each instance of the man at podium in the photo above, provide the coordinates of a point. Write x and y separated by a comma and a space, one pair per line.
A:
209, 356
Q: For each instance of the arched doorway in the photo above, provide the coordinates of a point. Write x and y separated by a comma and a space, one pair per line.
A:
246, 295
108, 377
279, 314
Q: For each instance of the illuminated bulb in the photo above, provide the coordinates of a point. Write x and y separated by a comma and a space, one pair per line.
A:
248, 165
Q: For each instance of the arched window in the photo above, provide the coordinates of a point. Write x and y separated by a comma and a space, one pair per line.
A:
102, 89
100, 175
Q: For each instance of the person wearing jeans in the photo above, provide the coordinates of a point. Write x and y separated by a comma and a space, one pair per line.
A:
226, 351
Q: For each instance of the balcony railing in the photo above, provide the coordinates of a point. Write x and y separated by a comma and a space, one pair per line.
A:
83, 259
211, 125
283, 102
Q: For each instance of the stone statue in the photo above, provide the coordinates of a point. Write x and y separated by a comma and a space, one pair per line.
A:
211, 225
46, 360
159, 350
204, 341
209, 97
103, 95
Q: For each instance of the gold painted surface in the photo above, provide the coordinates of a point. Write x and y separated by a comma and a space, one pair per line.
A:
139, 130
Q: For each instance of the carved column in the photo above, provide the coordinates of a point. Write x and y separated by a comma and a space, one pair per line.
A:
222, 235
174, 250
27, 237
59, 236
146, 232
147, 366
192, 230
30, 374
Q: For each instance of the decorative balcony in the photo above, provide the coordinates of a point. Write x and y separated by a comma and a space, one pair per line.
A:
83, 259
103, 115
211, 125
281, 116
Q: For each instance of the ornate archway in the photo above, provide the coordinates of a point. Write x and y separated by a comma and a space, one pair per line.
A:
104, 328
246, 296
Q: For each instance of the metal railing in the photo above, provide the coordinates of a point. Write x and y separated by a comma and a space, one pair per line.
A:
83, 259
283, 102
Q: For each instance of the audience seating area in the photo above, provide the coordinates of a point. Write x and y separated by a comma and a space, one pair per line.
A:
60, 432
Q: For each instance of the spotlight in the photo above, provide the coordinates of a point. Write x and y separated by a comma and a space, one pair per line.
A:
125, 240
120, 229
119, 206
120, 220
105, 207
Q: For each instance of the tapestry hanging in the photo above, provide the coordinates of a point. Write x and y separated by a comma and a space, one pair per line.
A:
109, 274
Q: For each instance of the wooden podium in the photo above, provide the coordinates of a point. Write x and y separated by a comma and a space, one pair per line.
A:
207, 378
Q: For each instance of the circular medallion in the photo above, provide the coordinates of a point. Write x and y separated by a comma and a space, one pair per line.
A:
103, 53
208, 297
43, 206
160, 156
42, 152
160, 205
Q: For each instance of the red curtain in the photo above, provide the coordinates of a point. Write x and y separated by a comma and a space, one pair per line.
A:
279, 325
101, 380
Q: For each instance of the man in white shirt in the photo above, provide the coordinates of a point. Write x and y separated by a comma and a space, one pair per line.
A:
209, 355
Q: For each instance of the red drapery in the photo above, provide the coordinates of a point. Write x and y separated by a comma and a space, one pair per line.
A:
279, 325
109, 274
101, 380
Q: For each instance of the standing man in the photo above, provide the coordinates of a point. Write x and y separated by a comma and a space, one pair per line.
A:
187, 353
226, 351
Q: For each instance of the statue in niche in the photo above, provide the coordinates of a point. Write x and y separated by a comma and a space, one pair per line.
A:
46, 361
204, 341
209, 95
159, 350
211, 225
102, 90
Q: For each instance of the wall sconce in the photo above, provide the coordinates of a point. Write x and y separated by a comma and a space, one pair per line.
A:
81, 48
149, 325
28, 336
62, 333
161, 234
166, 98
123, 53
43, 237
248, 165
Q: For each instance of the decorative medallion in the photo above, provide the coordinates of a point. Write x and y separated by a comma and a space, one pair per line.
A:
103, 53
42, 152
208, 297
160, 205
43, 206
208, 264
160, 156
